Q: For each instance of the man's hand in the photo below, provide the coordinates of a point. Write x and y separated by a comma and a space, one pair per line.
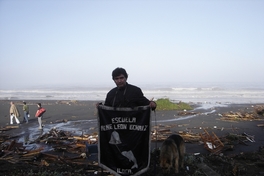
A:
152, 104
97, 104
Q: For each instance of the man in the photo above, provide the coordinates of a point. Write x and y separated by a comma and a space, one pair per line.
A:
26, 111
124, 94
122, 147
14, 113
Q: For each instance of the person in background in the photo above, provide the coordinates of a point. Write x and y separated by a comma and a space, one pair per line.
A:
124, 94
39, 115
26, 111
14, 113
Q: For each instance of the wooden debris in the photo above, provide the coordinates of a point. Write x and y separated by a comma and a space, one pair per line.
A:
211, 142
232, 138
44, 163
14, 152
249, 137
190, 137
184, 113
67, 102
72, 150
239, 116
9, 127
161, 132
259, 109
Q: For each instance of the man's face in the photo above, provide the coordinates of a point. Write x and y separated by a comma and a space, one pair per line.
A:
120, 81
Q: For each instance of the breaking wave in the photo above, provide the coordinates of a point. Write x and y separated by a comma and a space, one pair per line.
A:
228, 93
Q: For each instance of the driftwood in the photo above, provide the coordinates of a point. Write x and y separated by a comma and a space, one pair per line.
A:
257, 114
72, 150
211, 142
161, 132
190, 137
67, 102
259, 109
239, 116
184, 113
64, 141
9, 127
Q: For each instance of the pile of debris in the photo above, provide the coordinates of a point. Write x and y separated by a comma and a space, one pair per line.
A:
63, 148
67, 102
240, 116
212, 142
78, 152
56, 150
161, 132
259, 109
236, 116
257, 114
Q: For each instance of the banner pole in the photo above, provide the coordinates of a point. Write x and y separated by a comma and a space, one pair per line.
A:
156, 143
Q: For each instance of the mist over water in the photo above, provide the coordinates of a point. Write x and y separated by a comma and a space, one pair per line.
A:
186, 92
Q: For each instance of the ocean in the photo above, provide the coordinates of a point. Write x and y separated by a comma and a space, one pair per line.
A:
203, 93
208, 95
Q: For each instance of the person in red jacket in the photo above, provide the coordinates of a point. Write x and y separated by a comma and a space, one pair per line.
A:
39, 115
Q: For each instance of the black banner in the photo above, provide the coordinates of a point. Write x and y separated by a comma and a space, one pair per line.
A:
124, 139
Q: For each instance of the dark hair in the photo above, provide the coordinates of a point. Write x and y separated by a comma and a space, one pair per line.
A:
119, 71
24, 102
39, 104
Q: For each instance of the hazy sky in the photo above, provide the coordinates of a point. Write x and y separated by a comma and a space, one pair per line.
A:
80, 42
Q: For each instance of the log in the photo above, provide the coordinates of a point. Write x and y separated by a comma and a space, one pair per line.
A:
11, 126
80, 138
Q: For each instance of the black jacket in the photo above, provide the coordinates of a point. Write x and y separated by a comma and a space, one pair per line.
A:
128, 96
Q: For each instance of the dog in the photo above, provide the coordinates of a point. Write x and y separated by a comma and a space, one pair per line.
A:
172, 153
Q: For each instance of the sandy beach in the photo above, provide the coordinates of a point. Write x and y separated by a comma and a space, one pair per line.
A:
80, 117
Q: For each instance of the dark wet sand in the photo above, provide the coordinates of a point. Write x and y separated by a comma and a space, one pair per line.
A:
81, 117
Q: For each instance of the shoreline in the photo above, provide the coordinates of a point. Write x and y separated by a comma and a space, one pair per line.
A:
198, 92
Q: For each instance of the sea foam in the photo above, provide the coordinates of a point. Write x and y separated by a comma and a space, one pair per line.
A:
203, 93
